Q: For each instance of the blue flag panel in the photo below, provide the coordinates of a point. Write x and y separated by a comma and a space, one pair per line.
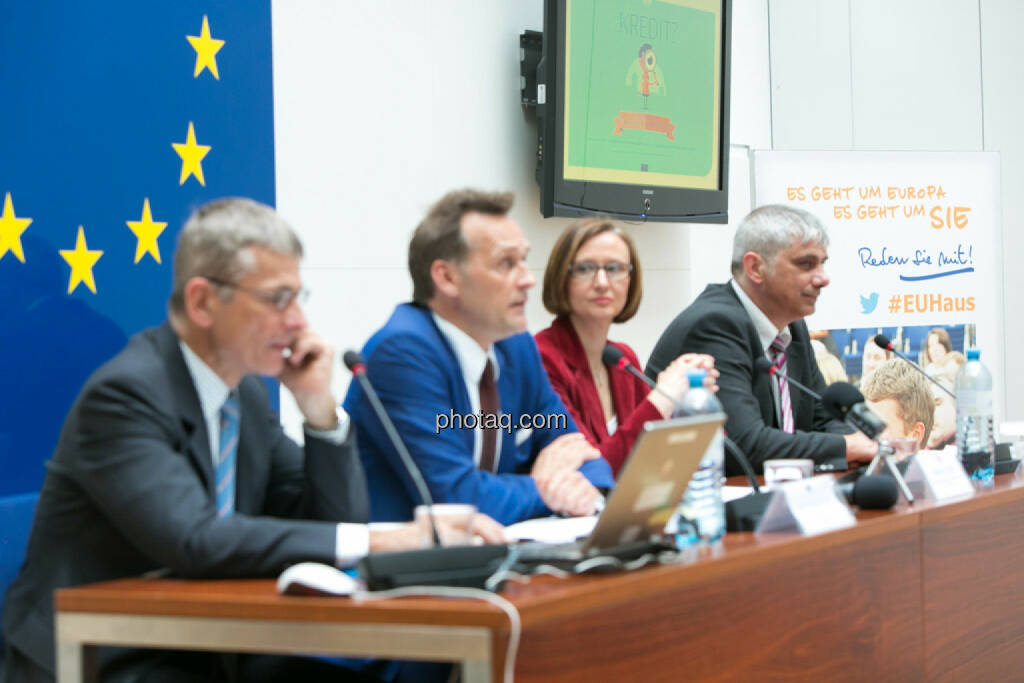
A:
116, 120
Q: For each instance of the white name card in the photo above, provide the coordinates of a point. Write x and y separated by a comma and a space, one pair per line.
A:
938, 475
810, 505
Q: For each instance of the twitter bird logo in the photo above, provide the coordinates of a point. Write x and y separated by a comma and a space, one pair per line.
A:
868, 303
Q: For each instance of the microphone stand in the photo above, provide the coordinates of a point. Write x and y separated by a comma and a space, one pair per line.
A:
470, 565
861, 419
742, 514
885, 455
888, 346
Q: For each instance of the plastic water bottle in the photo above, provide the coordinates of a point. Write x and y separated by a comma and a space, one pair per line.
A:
702, 509
975, 440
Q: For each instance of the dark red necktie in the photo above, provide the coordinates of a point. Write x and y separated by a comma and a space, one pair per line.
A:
488, 406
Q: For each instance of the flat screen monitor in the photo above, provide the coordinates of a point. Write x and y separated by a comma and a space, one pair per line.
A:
633, 109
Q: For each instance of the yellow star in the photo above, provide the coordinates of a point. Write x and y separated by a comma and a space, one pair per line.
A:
146, 230
11, 228
81, 260
206, 50
191, 155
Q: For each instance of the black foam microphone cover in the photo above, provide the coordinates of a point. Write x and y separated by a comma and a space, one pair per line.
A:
352, 358
611, 355
875, 492
763, 365
839, 397
882, 341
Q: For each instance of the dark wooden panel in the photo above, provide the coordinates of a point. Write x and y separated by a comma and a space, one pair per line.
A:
973, 584
845, 611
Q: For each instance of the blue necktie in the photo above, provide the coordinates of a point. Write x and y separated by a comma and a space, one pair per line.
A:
226, 457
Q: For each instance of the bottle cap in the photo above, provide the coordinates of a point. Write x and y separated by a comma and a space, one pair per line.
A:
696, 377
973, 354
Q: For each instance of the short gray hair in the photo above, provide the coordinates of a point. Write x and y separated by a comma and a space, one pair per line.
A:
215, 240
769, 229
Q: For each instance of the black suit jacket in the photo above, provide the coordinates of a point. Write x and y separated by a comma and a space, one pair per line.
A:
717, 324
130, 489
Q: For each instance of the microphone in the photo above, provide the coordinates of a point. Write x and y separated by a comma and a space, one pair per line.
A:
615, 357
843, 401
766, 366
354, 362
741, 514
870, 491
883, 341
444, 566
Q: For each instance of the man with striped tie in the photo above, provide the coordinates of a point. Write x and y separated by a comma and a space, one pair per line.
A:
171, 457
778, 270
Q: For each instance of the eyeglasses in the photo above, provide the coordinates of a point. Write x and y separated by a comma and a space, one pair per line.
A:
280, 298
613, 270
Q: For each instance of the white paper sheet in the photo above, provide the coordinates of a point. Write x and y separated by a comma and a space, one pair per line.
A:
551, 529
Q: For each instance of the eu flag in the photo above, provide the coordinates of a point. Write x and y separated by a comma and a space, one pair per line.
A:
116, 120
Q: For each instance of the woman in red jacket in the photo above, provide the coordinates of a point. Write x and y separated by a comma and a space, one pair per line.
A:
592, 280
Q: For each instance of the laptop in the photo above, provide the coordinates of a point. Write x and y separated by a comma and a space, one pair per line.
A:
651, 484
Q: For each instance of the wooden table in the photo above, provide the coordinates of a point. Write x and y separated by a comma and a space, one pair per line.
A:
931, 592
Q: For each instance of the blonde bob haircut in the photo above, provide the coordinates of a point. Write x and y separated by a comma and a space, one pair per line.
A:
563, 254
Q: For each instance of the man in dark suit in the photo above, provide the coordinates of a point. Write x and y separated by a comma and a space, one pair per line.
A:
778, 260
457, 359
172, 458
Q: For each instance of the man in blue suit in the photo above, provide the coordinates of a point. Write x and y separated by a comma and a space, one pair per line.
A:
464, 384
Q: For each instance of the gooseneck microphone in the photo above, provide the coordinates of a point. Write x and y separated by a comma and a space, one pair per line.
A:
443, 566
844, 402
741, 514
766, 366
616, 358
354, 362
883, 341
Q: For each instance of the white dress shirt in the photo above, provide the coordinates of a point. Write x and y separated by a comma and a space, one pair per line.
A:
352, 541
472, 360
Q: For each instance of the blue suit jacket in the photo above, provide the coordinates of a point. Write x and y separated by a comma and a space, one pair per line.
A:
418, 377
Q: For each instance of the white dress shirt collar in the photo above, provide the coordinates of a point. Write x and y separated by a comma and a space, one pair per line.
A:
766, 330
212, 393
472, 359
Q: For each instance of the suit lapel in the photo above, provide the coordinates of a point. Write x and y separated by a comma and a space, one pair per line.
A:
764, 387
197, 443
457, 381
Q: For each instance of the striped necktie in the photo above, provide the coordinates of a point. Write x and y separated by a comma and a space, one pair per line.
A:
229, 420
777, 351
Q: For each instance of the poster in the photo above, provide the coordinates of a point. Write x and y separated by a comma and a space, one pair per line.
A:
914, 253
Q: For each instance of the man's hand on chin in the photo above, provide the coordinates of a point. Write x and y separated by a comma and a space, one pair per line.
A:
307, 374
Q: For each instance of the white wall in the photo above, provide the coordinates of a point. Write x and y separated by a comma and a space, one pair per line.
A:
929, 75
383, 105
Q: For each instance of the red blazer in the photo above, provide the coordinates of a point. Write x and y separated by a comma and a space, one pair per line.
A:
566, 364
